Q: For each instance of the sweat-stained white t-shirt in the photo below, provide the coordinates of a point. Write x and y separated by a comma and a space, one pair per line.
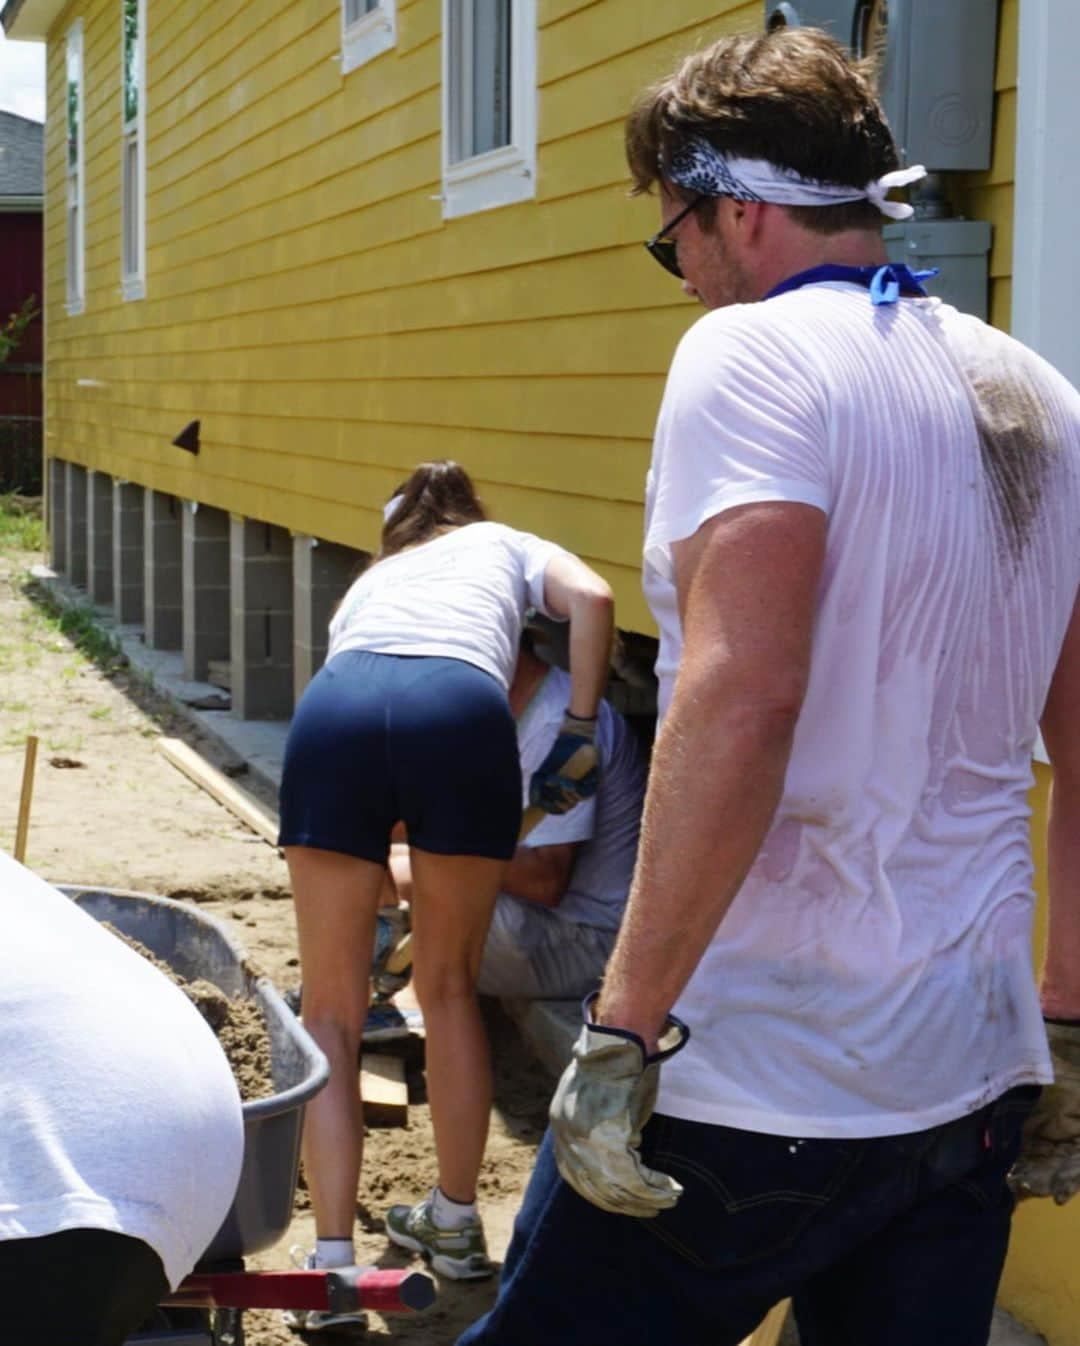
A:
118, 1109
873, 975
462, 595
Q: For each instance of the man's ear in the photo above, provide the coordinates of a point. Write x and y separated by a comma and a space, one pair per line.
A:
747, 217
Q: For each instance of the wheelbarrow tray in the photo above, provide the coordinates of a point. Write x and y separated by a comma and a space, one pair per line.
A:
195, 945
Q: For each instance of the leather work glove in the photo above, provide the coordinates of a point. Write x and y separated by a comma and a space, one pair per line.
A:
1049, 1163
571, 770
605, 1097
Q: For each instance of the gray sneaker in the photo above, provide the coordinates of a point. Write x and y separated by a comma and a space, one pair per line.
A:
321, 1320
459, 1254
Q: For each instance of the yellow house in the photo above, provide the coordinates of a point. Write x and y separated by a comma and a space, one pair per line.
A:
293, 249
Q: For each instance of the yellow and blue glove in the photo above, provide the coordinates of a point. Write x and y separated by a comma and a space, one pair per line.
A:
571, 770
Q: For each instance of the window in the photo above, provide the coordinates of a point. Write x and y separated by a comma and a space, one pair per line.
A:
76, 190
368, 28
133, 153
489, 104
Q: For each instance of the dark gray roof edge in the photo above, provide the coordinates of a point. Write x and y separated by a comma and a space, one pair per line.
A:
9, 14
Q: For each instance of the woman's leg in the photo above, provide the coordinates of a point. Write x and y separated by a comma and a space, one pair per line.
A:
452, 902
336, 897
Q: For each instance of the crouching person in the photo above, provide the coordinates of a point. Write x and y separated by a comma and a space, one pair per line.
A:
563, 893
121, 1135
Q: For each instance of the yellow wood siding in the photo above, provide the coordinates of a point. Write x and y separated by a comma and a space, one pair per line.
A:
308, 303
989, 195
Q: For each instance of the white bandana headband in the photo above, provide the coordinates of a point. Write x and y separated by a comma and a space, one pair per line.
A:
699, 166
391, 507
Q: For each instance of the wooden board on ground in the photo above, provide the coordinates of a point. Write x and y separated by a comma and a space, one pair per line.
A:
383, 1089
768, 1332
211, 780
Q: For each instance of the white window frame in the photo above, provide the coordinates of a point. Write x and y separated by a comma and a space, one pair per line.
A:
505, 175
368, 36
75, 175
133, 185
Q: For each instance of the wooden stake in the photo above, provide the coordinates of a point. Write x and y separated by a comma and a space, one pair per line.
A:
193, 766
23, 825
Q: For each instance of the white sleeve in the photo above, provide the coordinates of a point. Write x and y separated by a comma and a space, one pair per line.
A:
557, 829
536, 554
740, 423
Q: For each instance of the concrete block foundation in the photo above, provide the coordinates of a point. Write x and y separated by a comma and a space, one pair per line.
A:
75, 524
99, 538
128, 526
322, 571
261, 564
205, 587
162, 569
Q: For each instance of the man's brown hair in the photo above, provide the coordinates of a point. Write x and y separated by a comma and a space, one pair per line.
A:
791, 96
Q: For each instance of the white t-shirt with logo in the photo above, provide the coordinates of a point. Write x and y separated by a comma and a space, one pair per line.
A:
463, 595
605, 827
873, 975
118, 1109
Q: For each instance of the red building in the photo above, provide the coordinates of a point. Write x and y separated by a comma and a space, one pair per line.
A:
21, 277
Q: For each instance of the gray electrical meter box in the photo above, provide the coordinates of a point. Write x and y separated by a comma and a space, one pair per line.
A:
959, 247
936, 69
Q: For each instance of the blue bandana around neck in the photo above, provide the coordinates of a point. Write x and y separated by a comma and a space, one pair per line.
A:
885, 283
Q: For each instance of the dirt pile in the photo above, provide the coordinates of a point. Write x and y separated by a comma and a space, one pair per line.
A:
238, 1024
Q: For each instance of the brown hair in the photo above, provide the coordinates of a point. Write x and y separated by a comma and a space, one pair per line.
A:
437, 497
791, 96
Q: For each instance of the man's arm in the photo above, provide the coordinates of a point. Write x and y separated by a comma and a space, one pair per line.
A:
748, 583
1061, 734
540, 874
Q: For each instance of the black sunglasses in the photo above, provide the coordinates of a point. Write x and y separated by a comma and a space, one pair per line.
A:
663, 247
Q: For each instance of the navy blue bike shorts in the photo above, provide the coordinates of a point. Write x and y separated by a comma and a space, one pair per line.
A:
382, 738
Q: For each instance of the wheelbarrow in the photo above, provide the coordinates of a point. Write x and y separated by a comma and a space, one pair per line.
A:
207, 1308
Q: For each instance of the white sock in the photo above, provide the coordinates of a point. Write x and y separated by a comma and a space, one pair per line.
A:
449, 1214
334, 1253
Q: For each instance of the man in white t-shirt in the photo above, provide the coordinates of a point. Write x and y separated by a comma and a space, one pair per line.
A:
564, 891
861, 551
121, 1132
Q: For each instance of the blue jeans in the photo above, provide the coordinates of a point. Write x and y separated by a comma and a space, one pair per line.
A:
884, 1242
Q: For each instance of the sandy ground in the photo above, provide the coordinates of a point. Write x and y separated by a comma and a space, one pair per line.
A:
109, 810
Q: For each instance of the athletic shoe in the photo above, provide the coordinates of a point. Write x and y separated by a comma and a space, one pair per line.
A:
459, 1254
384, 1023
321, 1320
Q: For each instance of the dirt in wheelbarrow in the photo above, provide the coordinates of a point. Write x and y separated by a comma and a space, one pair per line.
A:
109, 810
238, 1023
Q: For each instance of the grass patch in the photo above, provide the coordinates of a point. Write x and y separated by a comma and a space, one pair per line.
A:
21, 527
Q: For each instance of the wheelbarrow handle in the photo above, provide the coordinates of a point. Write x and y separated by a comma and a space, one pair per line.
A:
343, 1290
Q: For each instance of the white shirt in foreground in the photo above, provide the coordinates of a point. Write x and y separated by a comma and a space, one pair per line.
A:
118, 1109
462, 595
874, 973
605, 827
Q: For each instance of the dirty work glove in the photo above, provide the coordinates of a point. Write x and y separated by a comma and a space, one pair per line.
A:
571, 771
1049, 1163
605, 1097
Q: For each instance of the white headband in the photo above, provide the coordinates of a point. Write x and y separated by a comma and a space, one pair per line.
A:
700, 167
391, 507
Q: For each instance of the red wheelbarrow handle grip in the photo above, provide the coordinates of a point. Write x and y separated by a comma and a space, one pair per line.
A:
343, 1290
382, 1289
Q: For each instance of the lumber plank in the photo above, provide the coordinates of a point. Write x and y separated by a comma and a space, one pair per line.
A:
383, 1089
767, 1333
216, 785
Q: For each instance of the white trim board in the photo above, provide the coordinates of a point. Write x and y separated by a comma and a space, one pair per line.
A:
1046, 261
